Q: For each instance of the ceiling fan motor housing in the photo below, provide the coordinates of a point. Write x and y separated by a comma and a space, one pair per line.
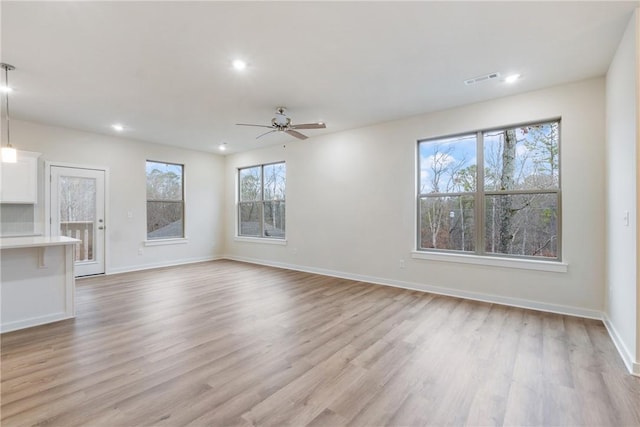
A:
281, 120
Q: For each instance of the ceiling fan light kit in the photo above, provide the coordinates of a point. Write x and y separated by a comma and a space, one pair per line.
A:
282, 123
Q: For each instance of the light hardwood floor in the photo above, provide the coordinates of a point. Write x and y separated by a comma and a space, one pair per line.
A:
227, 343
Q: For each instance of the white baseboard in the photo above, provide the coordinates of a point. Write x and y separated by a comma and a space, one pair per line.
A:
625, 354
34, 321
476, 296
172, 263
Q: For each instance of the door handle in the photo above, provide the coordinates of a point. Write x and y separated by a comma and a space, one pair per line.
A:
101, 228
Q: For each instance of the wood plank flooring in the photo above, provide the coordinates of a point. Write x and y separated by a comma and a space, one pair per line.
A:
231, 344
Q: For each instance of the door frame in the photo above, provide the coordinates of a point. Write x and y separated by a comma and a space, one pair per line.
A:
48, 164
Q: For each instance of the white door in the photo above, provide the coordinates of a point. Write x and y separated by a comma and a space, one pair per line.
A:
77, 210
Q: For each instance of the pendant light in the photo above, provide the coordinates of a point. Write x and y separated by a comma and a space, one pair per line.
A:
9, 154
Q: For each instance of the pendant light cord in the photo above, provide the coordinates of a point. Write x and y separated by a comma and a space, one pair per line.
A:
6, 79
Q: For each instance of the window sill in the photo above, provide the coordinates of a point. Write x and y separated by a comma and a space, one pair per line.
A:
162, 242
523, 264
264, 240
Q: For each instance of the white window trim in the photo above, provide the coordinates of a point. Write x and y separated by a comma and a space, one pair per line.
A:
266, 240
171, 240
555, 265
162, 242
256, 239
523, 264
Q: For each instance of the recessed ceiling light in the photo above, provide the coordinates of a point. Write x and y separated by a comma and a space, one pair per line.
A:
117, 127
239, 64
223, 146
5, 89
512, 78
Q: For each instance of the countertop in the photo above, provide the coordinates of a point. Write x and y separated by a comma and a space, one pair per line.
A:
35, 242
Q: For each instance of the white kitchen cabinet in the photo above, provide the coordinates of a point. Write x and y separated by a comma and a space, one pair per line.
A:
19, 181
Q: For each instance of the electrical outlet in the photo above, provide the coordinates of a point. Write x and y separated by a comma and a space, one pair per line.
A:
140, 251
401, 263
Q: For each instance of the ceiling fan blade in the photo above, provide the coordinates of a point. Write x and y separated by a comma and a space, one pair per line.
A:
266, 133
258, 126
296, 134
319, 125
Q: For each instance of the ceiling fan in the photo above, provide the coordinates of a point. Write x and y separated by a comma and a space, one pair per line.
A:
282, 123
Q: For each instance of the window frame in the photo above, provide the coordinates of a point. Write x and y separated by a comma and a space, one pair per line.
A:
150, 241
261, 237
479, 197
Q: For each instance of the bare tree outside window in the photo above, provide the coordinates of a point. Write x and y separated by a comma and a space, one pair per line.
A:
77, 198
165, 200
447, 177
261, 201
515, 209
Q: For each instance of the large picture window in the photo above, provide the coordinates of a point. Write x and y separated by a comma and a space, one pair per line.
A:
261, 201
510, 206
165, 200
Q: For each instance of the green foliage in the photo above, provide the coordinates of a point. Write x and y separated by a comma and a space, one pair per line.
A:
164, 185
250, 184
466, 178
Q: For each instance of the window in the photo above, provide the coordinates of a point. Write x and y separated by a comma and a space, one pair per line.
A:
165, 200
261, 201
508, 207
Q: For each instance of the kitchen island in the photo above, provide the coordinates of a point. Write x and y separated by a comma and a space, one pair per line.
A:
37, 283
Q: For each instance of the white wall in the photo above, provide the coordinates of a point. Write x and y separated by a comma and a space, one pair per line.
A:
125, 159
351, 200
351, 203
622, 168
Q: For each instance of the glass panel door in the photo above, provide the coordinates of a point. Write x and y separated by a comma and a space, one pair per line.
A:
77, 211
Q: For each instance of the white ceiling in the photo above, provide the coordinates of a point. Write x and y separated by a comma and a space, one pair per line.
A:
163, 69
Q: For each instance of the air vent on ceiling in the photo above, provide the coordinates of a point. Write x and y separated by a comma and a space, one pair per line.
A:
479, 79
